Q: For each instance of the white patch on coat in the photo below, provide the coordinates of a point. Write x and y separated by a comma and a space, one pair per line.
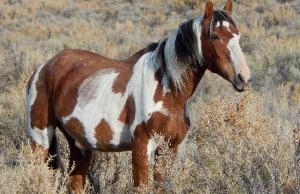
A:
42, 137
223, 23
32, 90
226, 24
237, 57
151, 147
142, 85
97, 101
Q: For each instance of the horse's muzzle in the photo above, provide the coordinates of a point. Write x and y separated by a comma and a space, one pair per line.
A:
240, 84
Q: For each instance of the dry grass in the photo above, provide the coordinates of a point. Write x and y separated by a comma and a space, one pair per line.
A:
238, 143
245, 149
22, 171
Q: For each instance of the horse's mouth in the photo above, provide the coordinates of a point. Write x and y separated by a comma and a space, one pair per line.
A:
239, 89
240, 85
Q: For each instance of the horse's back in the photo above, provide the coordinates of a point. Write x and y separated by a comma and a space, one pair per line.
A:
78, 63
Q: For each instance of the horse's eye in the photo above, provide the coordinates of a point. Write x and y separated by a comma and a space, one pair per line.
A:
214, 37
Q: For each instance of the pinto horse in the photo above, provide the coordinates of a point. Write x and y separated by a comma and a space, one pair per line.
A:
118, 105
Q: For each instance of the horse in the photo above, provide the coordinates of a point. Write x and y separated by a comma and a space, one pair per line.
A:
114, 105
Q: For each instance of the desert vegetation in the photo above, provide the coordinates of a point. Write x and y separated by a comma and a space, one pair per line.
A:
237, 143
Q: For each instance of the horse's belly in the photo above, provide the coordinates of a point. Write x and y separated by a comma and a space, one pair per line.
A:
105, 136
116, 138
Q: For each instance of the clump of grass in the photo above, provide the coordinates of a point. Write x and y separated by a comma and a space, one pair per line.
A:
243, 148
12, 113
22, 171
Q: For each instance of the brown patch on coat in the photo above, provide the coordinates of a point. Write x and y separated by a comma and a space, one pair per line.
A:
128, 113
172, 127
103, 134
75, 129
159, 89
234, 30
176, 98
120, 83
224, 34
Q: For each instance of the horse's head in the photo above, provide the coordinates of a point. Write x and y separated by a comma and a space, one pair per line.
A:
221, 50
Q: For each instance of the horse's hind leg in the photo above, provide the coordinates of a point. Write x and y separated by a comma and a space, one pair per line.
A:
79, 162
40, 116
81, 159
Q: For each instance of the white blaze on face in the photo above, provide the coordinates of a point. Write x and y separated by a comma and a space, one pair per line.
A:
238, 58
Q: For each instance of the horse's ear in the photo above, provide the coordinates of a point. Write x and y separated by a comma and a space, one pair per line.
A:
228, 6
209, 10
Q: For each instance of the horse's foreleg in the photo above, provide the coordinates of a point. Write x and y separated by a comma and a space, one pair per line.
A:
139, 158
81, 159
161, 164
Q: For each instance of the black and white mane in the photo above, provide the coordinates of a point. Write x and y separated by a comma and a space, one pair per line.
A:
182, 50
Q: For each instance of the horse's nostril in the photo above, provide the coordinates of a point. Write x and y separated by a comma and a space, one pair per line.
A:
250, 80
241, 78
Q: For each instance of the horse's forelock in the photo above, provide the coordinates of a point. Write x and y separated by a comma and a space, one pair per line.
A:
220, 16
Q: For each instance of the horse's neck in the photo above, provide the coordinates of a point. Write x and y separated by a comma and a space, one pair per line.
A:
179, 66
190, 82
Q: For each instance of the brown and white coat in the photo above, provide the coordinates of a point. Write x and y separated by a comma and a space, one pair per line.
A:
117, 105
